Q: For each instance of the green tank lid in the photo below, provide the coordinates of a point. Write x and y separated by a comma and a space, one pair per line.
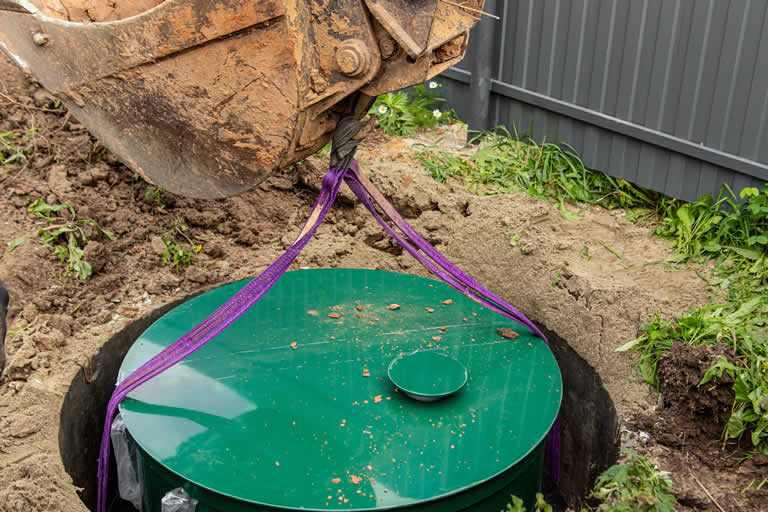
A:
292, 406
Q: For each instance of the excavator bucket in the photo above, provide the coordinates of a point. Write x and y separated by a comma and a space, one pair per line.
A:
206, 98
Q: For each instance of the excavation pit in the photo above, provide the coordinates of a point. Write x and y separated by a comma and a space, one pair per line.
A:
292, 404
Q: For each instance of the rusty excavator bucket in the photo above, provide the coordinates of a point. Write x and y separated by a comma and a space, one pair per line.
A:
206, 98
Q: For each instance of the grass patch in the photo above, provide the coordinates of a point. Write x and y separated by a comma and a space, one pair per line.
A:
505, 163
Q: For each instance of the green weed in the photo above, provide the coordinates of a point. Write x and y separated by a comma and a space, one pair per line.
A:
516, 504
156, 195
635, 486
175, 255
405, 113
12, 148
703, 230
65, 234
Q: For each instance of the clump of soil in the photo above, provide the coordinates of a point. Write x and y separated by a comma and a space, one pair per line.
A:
696, 412
693, 417
88, 11
692, 421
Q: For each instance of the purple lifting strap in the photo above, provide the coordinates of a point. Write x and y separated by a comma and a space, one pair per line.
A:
219, 320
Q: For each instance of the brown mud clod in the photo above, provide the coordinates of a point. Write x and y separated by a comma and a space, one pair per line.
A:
507, 333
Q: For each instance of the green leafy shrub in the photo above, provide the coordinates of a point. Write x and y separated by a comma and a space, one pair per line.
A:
735, 236
635, 486
405, 113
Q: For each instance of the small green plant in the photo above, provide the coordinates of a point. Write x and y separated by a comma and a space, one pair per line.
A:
516, 504
30, 328
156, 195
65, 234
405, 113
176, 256
12, 150
635, 486
556, 280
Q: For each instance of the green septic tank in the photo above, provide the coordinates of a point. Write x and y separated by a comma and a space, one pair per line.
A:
290, 408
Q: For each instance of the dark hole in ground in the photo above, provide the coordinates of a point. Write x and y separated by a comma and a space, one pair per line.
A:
588, 421
588, 427
84, 408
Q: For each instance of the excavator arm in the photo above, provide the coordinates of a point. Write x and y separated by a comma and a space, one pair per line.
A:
207, 98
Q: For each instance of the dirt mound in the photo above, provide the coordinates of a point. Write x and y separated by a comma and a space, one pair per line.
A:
88, 11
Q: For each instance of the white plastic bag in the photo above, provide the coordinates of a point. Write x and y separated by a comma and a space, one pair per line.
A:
178, 500
130, 481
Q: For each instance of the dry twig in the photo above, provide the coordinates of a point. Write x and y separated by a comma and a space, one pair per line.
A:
471, 9
712, 498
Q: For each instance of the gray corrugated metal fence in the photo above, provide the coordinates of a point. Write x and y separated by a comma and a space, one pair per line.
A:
669, 94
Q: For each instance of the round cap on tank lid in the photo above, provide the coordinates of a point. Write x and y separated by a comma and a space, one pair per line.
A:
427, 375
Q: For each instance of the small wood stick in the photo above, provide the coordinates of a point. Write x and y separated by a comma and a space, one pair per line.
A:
471, 9
706, 491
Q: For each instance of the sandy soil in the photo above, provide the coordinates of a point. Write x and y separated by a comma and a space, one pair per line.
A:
596, 303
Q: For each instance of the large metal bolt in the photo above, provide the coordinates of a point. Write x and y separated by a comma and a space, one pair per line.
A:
353, 57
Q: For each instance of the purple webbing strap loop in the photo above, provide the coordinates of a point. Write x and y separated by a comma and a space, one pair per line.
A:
444, 269
215, 323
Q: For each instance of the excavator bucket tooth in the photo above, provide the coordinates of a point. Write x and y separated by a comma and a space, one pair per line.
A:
207, 99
